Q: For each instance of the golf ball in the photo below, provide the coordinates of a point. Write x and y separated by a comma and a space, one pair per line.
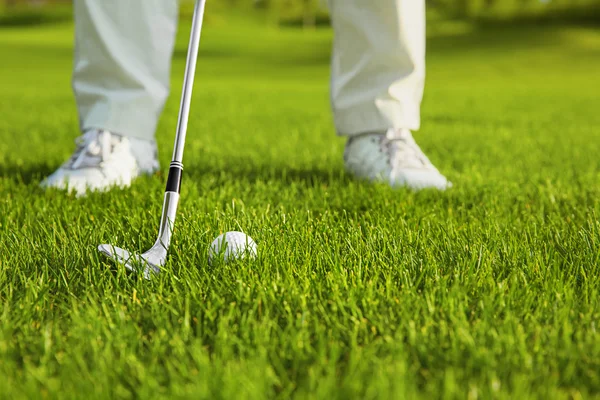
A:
232, 245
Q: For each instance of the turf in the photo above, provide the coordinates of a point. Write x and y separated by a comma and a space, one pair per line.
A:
487, 290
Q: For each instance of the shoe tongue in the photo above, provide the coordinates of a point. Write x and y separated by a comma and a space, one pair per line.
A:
398, 134
410, 154
95, 146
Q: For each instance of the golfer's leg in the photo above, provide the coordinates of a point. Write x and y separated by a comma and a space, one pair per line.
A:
122, 63
378, 64
121, 81
378, 74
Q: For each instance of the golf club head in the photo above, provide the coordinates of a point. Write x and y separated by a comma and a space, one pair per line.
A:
148, 263
151, 261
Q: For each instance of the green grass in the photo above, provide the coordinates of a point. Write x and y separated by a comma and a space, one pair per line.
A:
488, 290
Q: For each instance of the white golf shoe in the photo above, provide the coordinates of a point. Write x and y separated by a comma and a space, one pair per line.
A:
392, 157
103, 160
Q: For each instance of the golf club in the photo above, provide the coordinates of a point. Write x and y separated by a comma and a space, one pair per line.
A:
150, 261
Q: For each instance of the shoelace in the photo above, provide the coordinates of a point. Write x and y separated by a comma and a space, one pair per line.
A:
404, 151
93, 148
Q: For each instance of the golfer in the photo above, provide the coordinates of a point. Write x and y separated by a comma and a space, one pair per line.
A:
121, 78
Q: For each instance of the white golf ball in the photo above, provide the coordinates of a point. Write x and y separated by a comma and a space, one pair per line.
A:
232, 245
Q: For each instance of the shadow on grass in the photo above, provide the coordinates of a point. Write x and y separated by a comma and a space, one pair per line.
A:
304, 54
331, 190
481, 36
494, 37
309, 177
582, 15
25, 174
27, 17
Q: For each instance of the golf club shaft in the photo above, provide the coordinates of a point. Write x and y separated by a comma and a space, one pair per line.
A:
176, 167
171, 198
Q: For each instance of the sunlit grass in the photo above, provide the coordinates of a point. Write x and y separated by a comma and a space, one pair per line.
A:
487, 290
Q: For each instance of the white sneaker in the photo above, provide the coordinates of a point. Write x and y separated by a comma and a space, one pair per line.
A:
392, 157
103, 160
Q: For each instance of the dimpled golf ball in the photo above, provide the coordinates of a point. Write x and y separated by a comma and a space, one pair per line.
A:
232, 245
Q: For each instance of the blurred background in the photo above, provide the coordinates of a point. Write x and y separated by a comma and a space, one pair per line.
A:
312, 13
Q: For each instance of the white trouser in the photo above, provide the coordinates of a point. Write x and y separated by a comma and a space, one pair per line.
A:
123, 52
